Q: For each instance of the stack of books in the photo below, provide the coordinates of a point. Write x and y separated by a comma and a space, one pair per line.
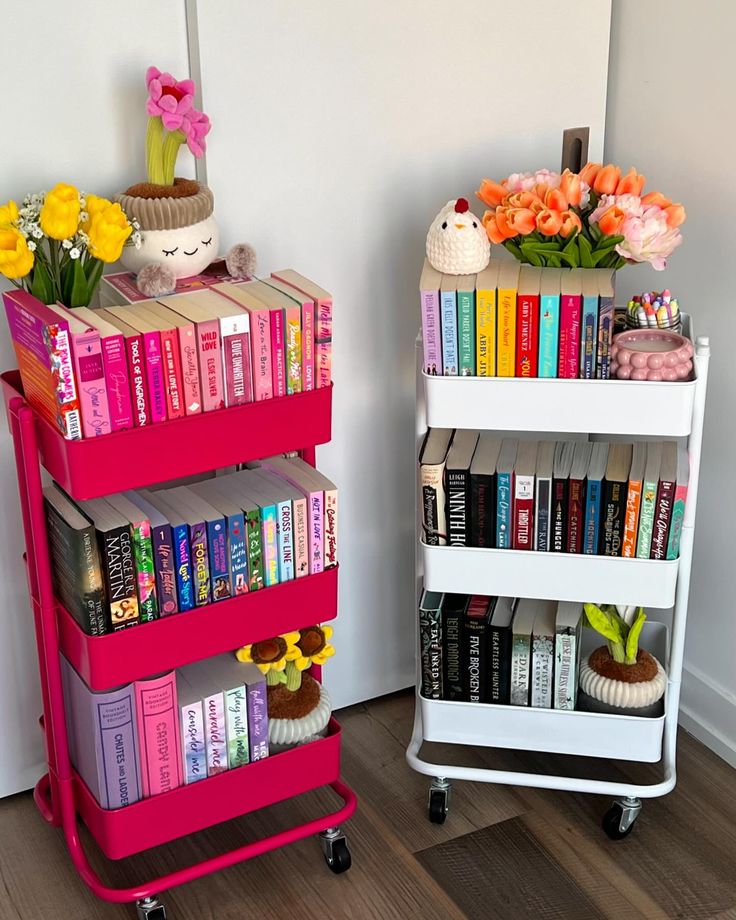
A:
136, 556
93, 372
513, 320
479, 649
618, 499
151, 736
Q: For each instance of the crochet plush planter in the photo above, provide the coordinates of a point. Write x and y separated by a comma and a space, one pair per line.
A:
625, 689
297, 717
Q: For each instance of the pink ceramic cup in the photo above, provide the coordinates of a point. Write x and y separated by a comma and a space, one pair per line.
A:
651, 354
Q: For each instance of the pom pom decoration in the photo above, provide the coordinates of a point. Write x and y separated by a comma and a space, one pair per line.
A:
156, 280
241, 261
457, 243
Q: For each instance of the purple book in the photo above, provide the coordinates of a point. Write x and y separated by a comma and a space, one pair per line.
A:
255, 689
103, 741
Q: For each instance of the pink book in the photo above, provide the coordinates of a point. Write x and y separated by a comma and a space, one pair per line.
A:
170, 361
323, 320
306, 305
115, 364
134, 353
156, 709
207, 329
330, 516
89, 371
571, 299
278, 352
286, 337
152, 355
260, 337
235, 336
188, 355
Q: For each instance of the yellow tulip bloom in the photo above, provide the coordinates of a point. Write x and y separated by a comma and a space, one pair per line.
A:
108, 229
8, 214
16, 259
95, 205
59, 216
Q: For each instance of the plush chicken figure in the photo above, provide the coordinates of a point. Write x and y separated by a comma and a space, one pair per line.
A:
457, 243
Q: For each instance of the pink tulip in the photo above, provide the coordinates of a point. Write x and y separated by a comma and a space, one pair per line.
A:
648, 238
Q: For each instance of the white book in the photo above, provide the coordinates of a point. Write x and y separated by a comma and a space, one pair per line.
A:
543, 646
568, 630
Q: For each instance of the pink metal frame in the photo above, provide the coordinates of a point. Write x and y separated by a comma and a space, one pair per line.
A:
57, 793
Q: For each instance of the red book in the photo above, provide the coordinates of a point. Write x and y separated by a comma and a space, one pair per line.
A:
154, 367
170, 359
207, 328
576, 494
188, 361
523, 507
135, 353
571, 305
527, 321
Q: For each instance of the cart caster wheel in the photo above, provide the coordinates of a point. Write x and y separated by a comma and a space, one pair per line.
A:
335, 850
439, 802
150, 909
618, 821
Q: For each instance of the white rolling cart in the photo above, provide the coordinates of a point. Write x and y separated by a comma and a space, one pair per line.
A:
556, 408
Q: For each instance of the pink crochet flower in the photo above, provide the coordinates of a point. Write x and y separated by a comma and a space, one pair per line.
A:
647, 238
198, 127
169, 98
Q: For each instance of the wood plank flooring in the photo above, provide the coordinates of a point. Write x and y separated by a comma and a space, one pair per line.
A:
505, 853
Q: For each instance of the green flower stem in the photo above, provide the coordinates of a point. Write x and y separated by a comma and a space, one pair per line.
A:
617, 651
154, 150
273, 678
55, 271
293, 677
170, 151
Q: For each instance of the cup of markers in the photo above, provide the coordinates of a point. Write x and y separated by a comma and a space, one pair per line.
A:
654, 310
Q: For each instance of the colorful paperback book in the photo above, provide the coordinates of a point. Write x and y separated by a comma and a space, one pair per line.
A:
191, 729
457, 486
213, 705
207, 331
429, 297
331, 517
115, 365
257, 702
543, 653
560, 492
568, 634
170, 356
576, 496
543, 496
152, 359
44, 355
248, 491
500, 638
323, 321
217, 548
221, 499
521, 650
233, 485
589, 326
613, 504
182, 548
430, 644
523, 492
648, 499
527, 321
549, 321
135, 355
142, 553
678, 508
260, 339
466, 324
228, 674
486, 283
665, 500
188, 355
269, 486
451, 652
306, 306
606, 294
633, 499
162, 544
103, 739
286, 337
432, 482
234, 343
157, 720
505, 493
178, 498
593, 497
483, 490
508, 282
448, 314
478, 614
571, 297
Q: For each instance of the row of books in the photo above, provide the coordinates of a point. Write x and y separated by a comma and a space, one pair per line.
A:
479, 649
617, 499
513, 320
151, 736
136, 556
92, 372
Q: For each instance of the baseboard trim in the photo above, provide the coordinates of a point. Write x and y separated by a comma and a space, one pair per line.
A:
708, 712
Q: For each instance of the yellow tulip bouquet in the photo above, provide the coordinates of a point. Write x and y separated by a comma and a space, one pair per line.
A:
55, 245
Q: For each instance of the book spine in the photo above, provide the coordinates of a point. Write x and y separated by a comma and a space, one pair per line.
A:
589, 338
285, 536
255, 549
430, 643
139, 390
300, 525
662, 517
76, 572
155, 378
257, 720
527, 324
592, 517
559, 515
549, 330
486, 333
541, 673
566, 672
431, 338
519, 671
210, 365
172, 374
500, 655
218, 559
678, 518
120, 577
646, 519
91, 582
236, 369
90, 374
316, 532
293, 347
451, 655
238, 553
215, 733
523, 525
323, 341
278, 353
506, 343
117, 745
482, 508
575, 510
144, 566
448, 304
308, 374
434, 520
158, 734
605, 337
117, 382
457, 507
466, 332
613, 518
163, 556
194, 755
543, 503
200, 563
183, 567
330, 528
569, 349
189, 361
236, 722
504, 483
260, 340
269, 531
631, 520
477, 670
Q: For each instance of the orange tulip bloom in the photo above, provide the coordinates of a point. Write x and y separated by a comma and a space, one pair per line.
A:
607, 180
491, 193
522, 220
489, 222
541, 189
675, 215
656, 198
536, 205
611, 221
555, 200
503, 224
570, 222
549, 222
589, 172
520, 200
631, 184
571, 187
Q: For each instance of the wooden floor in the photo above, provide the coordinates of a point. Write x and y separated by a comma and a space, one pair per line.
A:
504, 853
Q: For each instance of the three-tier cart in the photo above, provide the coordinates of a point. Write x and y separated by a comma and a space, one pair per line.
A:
597, 409
133, 459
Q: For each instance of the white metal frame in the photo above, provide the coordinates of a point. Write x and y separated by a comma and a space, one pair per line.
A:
444, 772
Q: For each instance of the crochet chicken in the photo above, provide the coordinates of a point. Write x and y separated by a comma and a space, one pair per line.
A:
457, 243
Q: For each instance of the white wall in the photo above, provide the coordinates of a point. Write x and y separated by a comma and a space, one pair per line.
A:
73, 110
340, 129
670, 107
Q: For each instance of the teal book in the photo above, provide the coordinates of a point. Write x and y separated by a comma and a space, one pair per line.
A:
448, 319
678, 507
589, 326
648, 499
549, 321
466, 324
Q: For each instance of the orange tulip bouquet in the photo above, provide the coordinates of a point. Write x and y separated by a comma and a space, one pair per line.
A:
597, 218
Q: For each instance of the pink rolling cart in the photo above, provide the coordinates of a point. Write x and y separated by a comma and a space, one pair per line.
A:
128, 460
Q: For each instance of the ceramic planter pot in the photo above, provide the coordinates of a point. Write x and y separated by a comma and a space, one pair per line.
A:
603, 692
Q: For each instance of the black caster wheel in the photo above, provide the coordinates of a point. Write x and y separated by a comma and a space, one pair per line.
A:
437, 806
340, 860
613, 823
150, 909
